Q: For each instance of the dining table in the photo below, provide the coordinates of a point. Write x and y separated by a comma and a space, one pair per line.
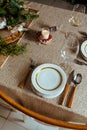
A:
15, 68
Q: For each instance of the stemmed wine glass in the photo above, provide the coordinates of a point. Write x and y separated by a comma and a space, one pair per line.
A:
76, 18
69, 50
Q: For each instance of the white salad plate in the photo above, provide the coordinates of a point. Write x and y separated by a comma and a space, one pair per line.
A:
48, 80
84, 49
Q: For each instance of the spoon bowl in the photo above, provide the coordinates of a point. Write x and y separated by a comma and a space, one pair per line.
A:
77, 79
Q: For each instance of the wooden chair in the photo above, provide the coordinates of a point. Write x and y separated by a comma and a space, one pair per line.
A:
40, 117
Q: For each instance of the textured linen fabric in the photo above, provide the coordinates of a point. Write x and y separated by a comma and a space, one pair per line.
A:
15, 68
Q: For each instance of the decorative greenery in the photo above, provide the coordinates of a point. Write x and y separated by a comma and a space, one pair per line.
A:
11, 49
14, 12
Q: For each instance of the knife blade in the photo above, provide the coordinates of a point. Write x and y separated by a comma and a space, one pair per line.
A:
67, 86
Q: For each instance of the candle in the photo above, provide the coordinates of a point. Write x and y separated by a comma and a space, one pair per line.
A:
45, 34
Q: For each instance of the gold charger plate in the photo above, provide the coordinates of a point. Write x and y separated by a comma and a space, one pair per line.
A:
48, 80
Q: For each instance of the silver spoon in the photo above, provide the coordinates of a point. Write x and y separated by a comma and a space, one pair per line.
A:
76, 80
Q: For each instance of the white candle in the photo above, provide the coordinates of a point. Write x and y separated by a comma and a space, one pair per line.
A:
45, 34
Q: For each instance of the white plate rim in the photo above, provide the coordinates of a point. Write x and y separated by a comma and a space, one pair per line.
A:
82, 48
54, 92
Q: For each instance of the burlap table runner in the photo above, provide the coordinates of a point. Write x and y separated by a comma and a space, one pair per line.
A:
15, 68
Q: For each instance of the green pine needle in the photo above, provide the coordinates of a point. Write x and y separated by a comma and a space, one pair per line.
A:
11, 49
14, 12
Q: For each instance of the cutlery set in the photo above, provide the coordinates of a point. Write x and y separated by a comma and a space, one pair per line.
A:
76, 80
67, 88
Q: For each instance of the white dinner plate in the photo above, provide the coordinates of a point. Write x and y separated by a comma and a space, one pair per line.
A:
84, 49
48, 80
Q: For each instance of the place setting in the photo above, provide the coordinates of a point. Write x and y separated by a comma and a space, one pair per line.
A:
49, 80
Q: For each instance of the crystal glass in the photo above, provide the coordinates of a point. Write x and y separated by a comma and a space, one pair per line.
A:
69, 50
76, 18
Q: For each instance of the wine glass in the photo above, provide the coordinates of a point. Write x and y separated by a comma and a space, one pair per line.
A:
69, 50
77, 18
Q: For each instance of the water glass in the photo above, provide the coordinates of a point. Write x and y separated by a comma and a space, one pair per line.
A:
70, 49
76, 18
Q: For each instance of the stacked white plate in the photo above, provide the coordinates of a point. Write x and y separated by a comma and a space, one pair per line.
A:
84, 49
48, 80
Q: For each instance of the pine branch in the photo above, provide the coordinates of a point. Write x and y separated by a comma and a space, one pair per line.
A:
13, 11
11, 49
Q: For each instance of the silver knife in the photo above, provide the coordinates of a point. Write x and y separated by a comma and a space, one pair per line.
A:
67, 88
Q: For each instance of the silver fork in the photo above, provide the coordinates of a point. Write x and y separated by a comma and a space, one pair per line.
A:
77, 61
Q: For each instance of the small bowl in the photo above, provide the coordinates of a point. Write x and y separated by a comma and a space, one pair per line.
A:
83, 50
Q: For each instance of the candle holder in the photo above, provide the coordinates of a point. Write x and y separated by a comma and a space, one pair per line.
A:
44, 36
